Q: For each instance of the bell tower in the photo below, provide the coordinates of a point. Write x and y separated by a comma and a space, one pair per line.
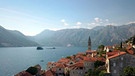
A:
89, 43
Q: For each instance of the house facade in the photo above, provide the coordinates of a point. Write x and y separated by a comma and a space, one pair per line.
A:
118, 61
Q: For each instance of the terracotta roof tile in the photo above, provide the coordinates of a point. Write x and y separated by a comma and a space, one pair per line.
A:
23, 73
64, 60
116, 55
77, 65
60, 65
48, 73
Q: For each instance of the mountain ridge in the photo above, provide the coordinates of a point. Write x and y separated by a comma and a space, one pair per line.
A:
106, 35
14, 38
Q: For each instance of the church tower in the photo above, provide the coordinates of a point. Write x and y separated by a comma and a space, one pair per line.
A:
89, 43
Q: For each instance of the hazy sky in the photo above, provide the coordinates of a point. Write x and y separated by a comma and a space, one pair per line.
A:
33, 16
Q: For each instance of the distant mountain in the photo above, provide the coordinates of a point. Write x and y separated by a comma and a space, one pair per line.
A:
74, 37
98, 28
10, 38
107, 35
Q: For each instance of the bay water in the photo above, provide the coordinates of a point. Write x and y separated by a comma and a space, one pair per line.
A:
17, 59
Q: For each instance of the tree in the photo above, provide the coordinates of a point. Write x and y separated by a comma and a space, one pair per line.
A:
93, 72
102, 73
98, 63
32, 70
133, 41
101, 47
129, 71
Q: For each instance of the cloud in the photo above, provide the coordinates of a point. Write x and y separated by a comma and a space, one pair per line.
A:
107, 20
97, 19
78, 23
64, 22
131, 22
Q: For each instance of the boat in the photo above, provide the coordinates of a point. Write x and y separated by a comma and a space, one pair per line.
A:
39, 48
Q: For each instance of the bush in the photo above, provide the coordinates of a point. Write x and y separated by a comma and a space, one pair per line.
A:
98, 63
32, 70
129, 71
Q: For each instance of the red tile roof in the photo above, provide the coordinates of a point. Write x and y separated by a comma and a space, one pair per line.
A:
48, 73
112, 53
64, 60
60, 65
93, 59
77, 65
90, 59
116, 55
23, 73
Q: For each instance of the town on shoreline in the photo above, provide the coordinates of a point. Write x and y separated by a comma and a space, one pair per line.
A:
116, 60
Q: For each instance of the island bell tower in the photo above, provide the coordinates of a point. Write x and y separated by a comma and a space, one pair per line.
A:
89, 43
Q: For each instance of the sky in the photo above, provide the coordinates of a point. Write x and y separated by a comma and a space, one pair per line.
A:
33, 16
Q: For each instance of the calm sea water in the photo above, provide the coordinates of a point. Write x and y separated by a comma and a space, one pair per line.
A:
16, 59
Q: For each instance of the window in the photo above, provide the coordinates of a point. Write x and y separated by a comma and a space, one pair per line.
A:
121, 65
59, 68
114, 64
73, 72
114, 71
121, 58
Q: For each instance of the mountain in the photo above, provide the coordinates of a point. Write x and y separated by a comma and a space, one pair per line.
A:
107, 35
10, 38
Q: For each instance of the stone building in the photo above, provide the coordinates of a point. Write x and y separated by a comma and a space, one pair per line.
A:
117, 61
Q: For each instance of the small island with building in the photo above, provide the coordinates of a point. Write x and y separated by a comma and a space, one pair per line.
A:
116, 60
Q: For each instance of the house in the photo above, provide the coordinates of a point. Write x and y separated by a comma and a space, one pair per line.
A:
49, 73
93, 53
60, 69
50, 65
77, 69
89, 63
108, 48
116, 61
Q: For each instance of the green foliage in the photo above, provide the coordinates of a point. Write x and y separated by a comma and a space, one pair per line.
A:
100, 50
129, 71
122, 49
98, 63
102, 73
32, 70
68, 57
133, 41
95, 73
101, 47
84, 54
90, 73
